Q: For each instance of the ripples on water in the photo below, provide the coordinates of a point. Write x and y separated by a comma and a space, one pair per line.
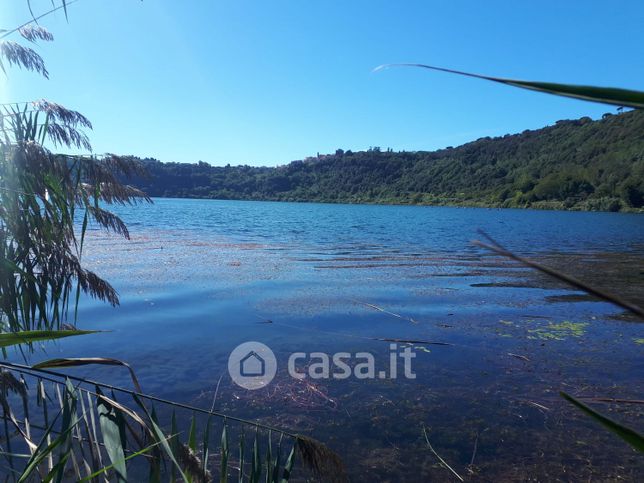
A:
200, 277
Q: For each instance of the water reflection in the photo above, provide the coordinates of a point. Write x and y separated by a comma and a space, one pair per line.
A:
200, 277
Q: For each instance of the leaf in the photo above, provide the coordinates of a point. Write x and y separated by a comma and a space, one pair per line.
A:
158, 433
84, 361
206, 444
605, 95
269, 458
70, 420
242, 451
129, 457
30, 336
111, 430
82, 241
629, 435
42, 452
124, 410
256, 463
275, 477
288, 466
224, 454
192, 435
174, 443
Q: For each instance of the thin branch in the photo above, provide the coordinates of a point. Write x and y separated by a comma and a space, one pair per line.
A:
476, 447
214, 398
35, 19
612, 400
380, 309
344, 334
439, 457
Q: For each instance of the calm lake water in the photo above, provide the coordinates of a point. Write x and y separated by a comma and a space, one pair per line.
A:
200, 277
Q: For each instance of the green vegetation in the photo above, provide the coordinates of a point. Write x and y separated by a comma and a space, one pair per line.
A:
560, 331
58, 428
632, 437
580, 164
606, 95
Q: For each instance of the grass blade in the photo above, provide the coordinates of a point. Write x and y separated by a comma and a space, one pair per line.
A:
174, 443
256, 464
269, 458
127, 458
242, 451
192, 435
206, 444
224, 455
604, 95
443, 462
84, 361
158, 434
30, 336
112, 432
629, 435
46, 448
288, 466
277, 462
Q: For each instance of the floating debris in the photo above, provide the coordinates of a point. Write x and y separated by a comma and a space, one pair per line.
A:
519, 356
380, 309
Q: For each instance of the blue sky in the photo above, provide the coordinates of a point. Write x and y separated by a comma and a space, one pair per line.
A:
267, 82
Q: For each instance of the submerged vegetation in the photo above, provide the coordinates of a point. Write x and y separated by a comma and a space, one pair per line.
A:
575, 164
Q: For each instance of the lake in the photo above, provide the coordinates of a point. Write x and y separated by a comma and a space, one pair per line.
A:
199, 277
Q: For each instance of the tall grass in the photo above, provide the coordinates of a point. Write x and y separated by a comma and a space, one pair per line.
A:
61, 427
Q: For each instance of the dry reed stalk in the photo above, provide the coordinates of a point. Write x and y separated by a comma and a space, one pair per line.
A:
614, 299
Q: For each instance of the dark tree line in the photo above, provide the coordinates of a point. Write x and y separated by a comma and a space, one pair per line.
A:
574, 164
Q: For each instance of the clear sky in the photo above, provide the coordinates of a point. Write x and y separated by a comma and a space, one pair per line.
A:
269, 81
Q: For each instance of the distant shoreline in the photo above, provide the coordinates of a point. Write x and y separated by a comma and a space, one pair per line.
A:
574, 165
547, 206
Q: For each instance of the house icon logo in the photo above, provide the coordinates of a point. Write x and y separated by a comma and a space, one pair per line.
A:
252, 365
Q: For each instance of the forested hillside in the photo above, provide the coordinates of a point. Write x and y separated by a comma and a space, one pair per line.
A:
578, 164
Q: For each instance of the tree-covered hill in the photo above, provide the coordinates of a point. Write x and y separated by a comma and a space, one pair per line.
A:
579, 164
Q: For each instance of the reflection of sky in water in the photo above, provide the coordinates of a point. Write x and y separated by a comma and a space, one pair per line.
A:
200, 277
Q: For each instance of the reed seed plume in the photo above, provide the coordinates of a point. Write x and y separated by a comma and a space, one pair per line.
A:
33, 33
64, 135
324, 463
9, 382
97, 287
21, 56
61, 114
109, 220
192, 465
